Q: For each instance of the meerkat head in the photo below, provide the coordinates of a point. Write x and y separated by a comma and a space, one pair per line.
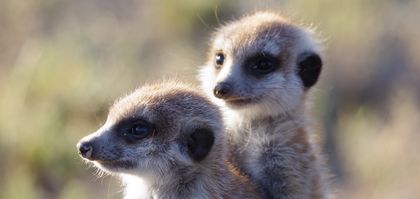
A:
156, 129
261, 64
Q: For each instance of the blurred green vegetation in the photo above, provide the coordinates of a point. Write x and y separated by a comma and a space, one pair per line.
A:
63, 62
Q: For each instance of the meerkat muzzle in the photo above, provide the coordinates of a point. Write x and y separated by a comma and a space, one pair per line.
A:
222, 90
85, 149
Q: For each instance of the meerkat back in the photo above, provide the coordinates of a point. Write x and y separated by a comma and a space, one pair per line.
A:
260, 71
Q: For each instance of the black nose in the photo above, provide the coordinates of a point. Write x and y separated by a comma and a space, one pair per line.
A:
222, 90
85, 149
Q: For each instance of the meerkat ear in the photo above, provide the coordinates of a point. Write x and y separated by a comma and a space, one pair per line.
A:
199, 143
309, 68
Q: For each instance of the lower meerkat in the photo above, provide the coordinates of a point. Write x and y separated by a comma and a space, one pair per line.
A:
166, 141
260, 71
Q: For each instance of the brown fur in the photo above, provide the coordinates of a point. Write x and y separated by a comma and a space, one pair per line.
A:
160, 165
269, 135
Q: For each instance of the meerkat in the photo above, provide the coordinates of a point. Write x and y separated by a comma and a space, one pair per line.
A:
166, 140
260, 70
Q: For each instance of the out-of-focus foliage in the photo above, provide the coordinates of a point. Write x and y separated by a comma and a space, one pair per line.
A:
63, 62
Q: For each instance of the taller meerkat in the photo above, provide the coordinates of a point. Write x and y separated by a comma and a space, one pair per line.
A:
260, 70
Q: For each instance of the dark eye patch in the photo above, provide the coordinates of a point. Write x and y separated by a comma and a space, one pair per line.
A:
132, 130
261, 64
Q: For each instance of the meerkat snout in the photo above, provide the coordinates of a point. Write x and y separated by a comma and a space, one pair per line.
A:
222, 90
85, 149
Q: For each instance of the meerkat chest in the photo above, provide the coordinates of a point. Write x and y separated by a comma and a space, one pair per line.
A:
256, 142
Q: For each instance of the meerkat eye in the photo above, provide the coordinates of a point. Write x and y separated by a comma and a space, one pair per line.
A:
262, 64
220, 59
137, 131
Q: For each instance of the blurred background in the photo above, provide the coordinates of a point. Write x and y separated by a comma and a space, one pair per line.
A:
63, 62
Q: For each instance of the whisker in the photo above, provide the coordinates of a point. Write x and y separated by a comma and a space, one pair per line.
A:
203, 22
217, 15
109, 186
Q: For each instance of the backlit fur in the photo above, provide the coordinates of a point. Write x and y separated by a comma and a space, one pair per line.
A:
269, 135
161, 165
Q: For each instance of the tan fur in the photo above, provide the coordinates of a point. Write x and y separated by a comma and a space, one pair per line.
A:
269, 135
159, 165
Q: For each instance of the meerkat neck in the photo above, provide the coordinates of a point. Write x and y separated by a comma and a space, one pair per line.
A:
245, 118
182, 183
